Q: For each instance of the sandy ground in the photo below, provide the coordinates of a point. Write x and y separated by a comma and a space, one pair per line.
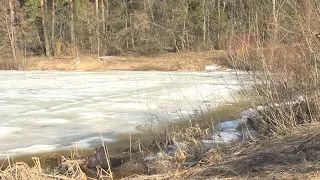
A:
185, 61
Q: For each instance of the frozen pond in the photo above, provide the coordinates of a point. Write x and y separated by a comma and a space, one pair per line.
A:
51, 110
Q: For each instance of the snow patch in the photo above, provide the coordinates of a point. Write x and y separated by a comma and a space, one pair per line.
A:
86, 143
212, 68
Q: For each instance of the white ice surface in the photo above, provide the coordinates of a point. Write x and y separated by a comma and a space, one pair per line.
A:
51, 110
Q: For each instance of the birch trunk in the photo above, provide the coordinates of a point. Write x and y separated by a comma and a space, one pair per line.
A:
11, 30
204, 23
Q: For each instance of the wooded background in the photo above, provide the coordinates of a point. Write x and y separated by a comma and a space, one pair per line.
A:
100, 27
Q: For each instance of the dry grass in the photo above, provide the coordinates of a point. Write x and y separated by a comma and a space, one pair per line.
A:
275, 58
24, 172
270, 158
292, 156
187, 141
184, 61
69, 169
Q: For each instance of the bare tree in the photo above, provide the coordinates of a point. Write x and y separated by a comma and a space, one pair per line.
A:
72, 33
103, 23
97, 27
275, 21
44, 22
11, 30
126, 18
184, 33
204, 28
53, 27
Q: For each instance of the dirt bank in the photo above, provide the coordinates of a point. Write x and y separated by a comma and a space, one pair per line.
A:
191, 61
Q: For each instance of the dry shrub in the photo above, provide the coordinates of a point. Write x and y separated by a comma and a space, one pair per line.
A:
148, 47
22, 171
187, 141
7, 64
71, 169
240, 41
162, 166
213, 156
274, 58
279, 118
281, 74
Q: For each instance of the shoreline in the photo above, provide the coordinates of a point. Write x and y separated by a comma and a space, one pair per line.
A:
222, 113
49, 152
182, 61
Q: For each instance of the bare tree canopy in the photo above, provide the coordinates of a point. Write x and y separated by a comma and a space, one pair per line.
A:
55, 28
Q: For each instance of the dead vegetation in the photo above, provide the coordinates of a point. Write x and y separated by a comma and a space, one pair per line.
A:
22, 171
184, 61
67, 170
292, 156
275, 157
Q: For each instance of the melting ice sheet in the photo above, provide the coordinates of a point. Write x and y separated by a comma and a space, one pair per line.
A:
51, 110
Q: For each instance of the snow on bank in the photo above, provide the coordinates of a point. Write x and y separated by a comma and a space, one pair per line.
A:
230, 130
212, 68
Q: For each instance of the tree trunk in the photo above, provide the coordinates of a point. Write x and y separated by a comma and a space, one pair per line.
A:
72, 33
126, 19
175, 43
151, 11
44, 22
97, 28
184, 26
132, 31
219, 24
204, 23
103, 25
90, 39
11, 30
107, 18
275, 21
53, 27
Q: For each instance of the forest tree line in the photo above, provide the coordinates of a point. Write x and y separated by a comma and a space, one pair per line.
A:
62, 27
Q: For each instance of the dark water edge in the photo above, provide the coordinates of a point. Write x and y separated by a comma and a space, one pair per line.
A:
50, 160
